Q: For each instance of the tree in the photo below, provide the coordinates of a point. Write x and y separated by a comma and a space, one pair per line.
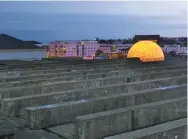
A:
97, 39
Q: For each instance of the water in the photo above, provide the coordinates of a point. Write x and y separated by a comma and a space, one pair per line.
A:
22, 55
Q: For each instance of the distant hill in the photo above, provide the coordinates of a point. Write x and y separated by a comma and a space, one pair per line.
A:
32, 42
9, 42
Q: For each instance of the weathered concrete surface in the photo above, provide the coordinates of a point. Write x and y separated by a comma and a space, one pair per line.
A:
92, 76
65, 130
55, 74
79, 67
34, 72
34, 134
12, 106
104, 94
41, 64
7, 129
61, 69
98, 125
48, 115
171, 130
63, 86
153, 114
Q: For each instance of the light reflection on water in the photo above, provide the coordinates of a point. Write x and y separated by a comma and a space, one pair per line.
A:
22, 55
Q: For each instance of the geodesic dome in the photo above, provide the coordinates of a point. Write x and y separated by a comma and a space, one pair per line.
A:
146, 51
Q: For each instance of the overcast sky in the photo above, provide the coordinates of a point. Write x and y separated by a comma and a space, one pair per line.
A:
45, 21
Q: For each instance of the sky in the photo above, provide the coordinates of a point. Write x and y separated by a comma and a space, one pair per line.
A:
61, 20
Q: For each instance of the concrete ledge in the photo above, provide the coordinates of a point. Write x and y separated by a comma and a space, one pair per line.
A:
175, 129
56, 73
98, 125
12, 106
65, 69
107, 123
21, 75
28, 67
49, 115
62, 86
91, 76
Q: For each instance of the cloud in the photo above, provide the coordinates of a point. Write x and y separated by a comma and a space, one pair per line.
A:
171, 10
146, 8
95, 19
156, 8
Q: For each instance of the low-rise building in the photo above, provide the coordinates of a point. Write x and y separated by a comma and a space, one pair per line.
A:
82, 48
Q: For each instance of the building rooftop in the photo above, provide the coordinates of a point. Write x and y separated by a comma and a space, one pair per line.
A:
146, 37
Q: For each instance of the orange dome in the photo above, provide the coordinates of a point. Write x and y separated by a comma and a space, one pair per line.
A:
147, 51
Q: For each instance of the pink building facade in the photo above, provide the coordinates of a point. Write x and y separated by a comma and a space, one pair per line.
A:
108, 47
73, 48
81, 48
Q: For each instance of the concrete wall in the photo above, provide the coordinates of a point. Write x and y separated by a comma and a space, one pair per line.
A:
49, 115
95, 126
63, 86
171, 130
58, 73
14, 105
94, 76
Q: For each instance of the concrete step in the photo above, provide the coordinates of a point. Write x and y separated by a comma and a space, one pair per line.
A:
99, 125
88, 76
12, 106
7, 129
54, 114
63, 86
55, 73
176, 129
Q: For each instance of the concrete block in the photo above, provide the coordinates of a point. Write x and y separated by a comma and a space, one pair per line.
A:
102, 124
171, 130
13, 106
48, 115
155, 113
91, 126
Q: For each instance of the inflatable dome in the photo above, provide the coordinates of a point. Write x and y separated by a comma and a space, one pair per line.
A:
146, 51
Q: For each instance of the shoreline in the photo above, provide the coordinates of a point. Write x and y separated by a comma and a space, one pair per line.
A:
21, 50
